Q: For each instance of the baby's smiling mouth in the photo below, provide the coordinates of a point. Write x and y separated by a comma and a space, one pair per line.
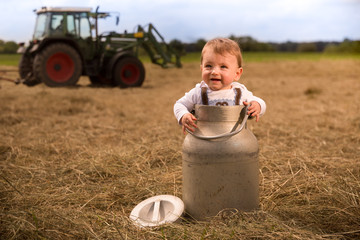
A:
215, 79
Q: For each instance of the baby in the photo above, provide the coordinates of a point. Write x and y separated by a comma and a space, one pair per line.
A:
221, 68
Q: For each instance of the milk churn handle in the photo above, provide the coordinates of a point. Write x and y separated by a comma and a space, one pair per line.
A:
229, 134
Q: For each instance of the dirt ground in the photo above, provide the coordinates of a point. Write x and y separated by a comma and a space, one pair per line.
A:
74, 162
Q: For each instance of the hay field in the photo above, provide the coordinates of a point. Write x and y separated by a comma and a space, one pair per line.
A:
74, 162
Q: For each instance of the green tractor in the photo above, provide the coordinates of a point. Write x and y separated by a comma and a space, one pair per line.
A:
66, 45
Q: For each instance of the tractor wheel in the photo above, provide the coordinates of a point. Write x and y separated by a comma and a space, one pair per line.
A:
25, 66
129, 72
26, 70
58, 65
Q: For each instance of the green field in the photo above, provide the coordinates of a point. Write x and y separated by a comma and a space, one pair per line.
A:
9, 59
13, 59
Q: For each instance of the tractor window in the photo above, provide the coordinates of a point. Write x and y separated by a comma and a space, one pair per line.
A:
56, 22
40, 26
71, 24
85, 30
79, 24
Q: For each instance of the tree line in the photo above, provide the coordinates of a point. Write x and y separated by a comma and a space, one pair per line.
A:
8, 47
247, 44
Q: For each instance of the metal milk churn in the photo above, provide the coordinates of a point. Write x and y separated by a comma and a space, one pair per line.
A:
220, 163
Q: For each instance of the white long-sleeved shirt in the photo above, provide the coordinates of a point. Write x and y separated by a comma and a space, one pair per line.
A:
187, 103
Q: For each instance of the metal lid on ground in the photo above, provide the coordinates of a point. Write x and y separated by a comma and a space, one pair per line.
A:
157, 210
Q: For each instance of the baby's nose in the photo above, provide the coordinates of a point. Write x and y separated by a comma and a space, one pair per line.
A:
214, 70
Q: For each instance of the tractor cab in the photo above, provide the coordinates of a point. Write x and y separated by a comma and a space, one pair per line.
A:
65, 24
71, 22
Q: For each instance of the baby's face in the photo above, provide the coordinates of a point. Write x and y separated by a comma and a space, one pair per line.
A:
219, 71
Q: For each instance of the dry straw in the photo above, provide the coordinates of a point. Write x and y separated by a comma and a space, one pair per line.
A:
74, 162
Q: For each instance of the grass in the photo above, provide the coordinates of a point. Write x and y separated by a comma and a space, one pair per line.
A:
9, 59
13, 59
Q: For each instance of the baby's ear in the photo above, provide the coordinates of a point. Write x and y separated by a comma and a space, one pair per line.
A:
239, 72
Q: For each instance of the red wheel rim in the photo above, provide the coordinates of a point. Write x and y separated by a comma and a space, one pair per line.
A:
60, 67
130, 73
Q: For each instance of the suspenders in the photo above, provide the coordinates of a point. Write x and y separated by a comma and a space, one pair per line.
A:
238, 96
204, 96
205, 99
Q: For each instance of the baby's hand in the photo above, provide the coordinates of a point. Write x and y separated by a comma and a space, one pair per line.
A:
254, 109
187, 122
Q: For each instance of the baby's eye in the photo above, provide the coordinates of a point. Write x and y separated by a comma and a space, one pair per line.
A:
208, 66
223, 66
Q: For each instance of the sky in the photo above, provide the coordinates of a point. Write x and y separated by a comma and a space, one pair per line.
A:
190, 20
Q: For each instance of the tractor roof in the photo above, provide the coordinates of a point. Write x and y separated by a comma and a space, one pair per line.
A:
63, 9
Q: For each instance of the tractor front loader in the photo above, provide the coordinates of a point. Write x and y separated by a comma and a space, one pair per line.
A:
66, 45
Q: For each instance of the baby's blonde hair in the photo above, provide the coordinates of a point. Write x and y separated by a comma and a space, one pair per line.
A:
222, 46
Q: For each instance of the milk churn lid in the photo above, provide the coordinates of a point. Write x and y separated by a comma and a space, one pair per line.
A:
157, 210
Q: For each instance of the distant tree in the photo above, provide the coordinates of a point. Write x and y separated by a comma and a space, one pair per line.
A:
249, 44
264, 47
286, 47
200, 43
190, 47
355, 47
347, 46
10, 47
331, 48
178, 46
306, 47
1, 46
350, 46
232, 37
320, 46
246, 43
